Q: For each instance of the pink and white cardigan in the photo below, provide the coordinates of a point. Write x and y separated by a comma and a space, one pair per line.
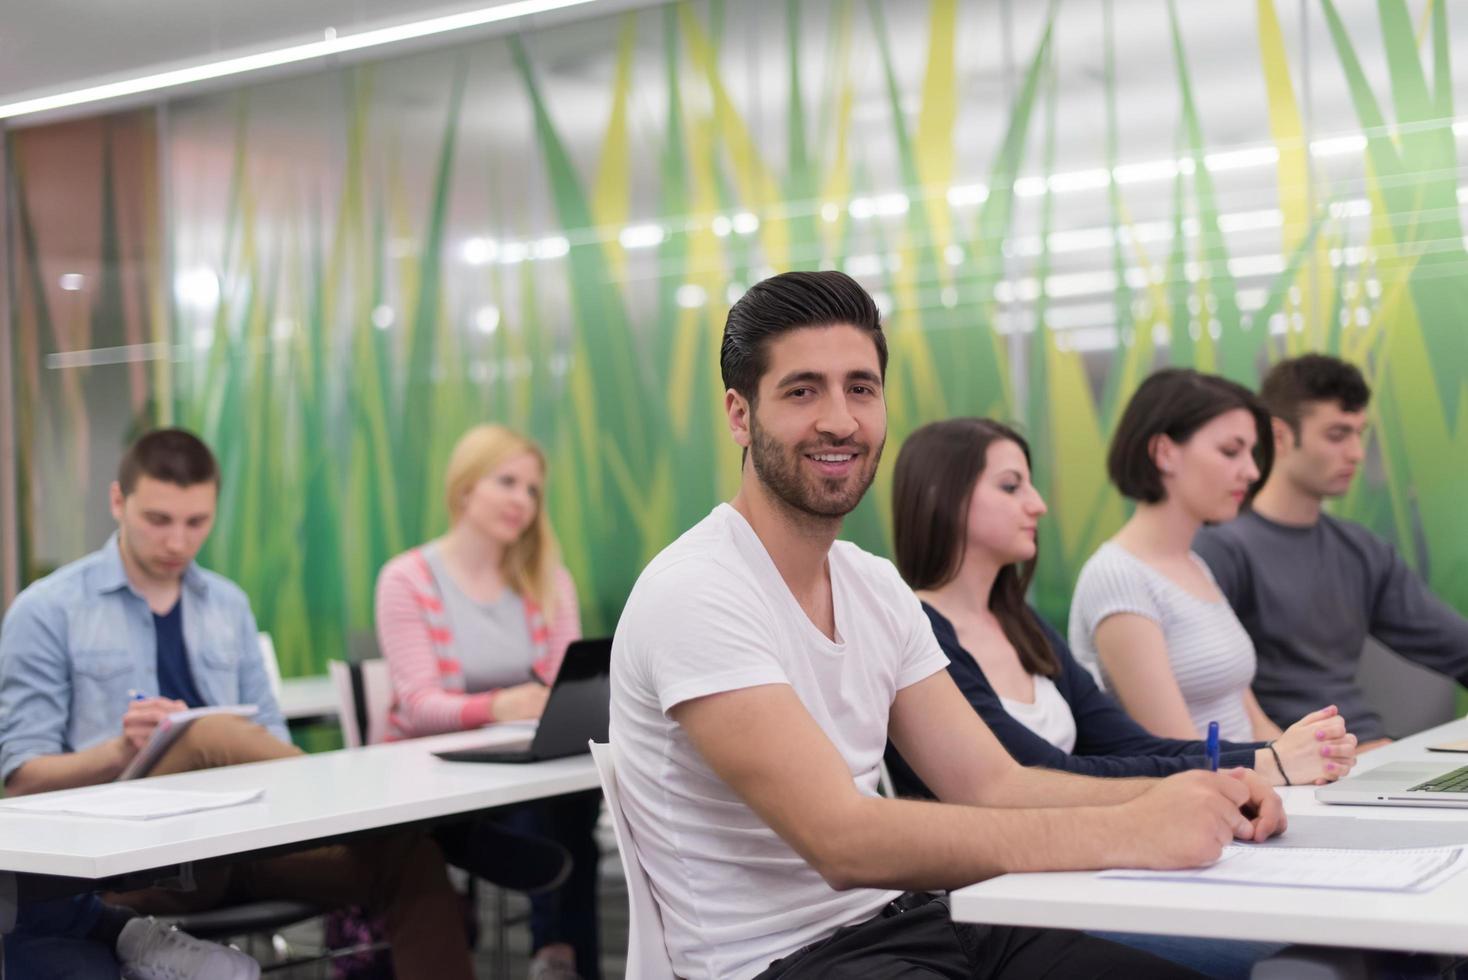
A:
417, 641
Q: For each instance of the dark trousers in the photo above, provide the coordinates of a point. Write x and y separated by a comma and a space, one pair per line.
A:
913, 938
50, 942
566, 914
485, 846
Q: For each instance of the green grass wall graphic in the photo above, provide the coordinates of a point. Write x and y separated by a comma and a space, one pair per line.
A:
349, 335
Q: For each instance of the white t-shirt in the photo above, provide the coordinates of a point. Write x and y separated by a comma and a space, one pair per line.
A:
711, 614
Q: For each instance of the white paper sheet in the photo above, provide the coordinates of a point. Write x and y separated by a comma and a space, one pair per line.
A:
129, 802
1407, 870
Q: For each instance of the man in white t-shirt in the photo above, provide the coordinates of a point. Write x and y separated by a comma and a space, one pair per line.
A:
761, 665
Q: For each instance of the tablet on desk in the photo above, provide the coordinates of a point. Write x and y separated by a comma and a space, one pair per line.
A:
168, 731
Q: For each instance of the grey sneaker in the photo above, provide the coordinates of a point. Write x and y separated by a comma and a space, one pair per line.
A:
149, 950
551, 968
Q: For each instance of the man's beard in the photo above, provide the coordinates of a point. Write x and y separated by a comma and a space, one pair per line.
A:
780, 469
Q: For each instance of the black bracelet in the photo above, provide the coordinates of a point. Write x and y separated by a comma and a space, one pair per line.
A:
1279, 765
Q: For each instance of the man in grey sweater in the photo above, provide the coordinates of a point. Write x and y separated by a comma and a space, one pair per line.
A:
1309, 587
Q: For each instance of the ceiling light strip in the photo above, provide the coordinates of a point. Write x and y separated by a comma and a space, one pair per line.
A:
333, 44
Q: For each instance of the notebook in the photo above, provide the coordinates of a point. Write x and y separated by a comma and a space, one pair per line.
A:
168, 731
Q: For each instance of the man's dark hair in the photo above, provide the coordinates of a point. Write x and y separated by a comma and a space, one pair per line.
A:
790, 301
174, 456
937, 470
1292, 383
1177, 402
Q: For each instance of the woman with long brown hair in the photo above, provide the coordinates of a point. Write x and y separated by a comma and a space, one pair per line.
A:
965, 520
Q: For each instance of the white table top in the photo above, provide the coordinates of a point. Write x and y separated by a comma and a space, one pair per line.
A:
308, 697
1434, 922
306, 798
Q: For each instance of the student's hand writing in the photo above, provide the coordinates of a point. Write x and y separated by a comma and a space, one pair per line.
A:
1265, 810
1317, 748
521, 702
1186, 820
144, 715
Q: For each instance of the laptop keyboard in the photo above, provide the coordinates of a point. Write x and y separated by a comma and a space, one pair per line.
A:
1449, 782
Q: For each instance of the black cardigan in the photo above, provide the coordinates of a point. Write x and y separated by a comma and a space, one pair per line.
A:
1108, 741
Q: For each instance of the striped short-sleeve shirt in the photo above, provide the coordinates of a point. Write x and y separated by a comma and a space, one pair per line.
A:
1211, 654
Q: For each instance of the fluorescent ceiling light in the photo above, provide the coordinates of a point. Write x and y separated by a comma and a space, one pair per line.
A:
332, 44
690, 296
98, 356
641, 236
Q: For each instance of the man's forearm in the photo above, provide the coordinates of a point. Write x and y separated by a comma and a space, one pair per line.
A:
101, 763
1028, 786
911, 844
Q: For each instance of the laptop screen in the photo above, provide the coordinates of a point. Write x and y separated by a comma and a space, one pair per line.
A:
579, 707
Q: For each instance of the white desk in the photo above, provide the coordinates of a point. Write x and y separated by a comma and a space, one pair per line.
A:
306, 798
307, 697
1435, 922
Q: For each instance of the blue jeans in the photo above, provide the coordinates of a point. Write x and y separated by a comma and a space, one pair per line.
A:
1228, 959
1221, 959
50, 942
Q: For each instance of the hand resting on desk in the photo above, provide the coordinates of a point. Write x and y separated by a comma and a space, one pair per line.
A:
1316, 749
523, 702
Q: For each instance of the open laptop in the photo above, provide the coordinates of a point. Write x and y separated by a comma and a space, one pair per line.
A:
1401, 784
577, 711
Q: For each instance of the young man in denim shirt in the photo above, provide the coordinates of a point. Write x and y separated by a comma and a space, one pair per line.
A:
95, 655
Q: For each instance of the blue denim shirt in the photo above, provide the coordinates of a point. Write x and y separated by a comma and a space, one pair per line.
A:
76, 642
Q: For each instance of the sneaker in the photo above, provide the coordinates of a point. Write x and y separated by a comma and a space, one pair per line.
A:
150, 950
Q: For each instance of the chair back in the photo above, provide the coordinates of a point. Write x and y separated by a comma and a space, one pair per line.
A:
364, 698
647, 952
1408, 697
272, 663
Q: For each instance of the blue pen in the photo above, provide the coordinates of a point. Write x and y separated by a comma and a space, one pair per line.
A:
136, 696
1213, 745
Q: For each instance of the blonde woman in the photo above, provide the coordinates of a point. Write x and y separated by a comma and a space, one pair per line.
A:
474, 626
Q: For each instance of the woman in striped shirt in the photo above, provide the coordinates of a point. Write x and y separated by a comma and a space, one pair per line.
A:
474, 626
1147, 618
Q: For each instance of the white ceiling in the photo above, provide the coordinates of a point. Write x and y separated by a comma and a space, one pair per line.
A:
50, 46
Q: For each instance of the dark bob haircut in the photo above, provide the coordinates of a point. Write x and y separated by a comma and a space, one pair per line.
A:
1292, 384
790, 301
1177, 402
174, 456
937, 469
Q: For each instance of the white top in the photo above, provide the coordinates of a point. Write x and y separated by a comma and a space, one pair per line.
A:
1048, 716
1211, 654
710, 614
1435, 922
